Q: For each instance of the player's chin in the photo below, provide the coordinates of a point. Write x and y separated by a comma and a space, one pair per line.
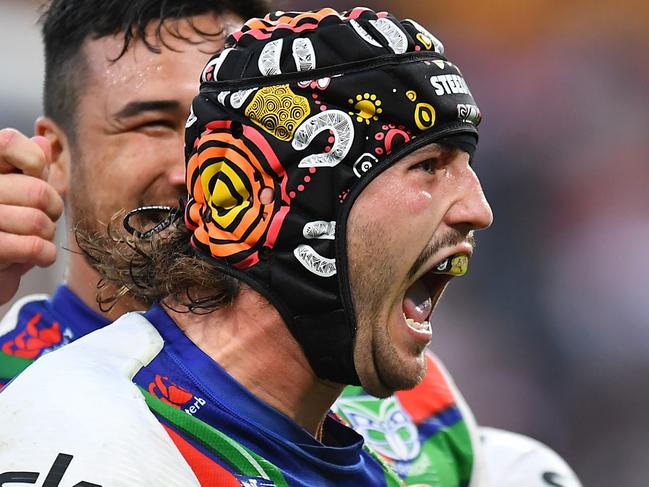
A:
406, 375
376, 388
385, 375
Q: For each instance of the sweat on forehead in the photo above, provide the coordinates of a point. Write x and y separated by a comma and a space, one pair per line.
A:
313, 105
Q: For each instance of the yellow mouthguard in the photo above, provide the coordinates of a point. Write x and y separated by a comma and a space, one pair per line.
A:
456, 265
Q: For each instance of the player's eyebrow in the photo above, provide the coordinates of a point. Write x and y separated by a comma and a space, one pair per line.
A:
134, 108
435, 150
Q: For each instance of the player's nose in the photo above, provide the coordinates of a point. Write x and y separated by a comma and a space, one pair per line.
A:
471, 207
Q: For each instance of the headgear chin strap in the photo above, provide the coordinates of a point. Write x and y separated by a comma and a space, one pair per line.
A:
312, 105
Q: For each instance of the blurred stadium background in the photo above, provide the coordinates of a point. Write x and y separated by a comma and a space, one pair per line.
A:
549, 333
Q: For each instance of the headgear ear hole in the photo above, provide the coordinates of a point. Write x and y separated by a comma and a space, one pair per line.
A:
266, 195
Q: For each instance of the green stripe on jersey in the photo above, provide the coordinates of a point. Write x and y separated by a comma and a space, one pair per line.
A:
445, 460
244, 460
11, 366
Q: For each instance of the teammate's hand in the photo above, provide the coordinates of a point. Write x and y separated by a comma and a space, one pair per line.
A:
29, 208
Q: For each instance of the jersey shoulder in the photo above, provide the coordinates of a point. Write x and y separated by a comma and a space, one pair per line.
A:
79, 406
9, 321
26, 332
514, 460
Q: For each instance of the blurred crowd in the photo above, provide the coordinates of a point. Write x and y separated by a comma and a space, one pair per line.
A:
548, 335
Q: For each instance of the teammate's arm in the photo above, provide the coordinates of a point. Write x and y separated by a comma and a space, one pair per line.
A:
29, 208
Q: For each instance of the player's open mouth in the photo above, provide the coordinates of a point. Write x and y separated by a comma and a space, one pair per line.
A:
421, 297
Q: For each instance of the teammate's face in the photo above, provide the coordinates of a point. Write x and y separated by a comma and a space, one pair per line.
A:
131, 119
418, 212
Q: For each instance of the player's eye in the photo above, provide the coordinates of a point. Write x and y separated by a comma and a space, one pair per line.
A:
159, 123
429, 165
158, 127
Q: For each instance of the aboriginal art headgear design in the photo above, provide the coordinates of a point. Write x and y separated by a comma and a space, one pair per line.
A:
312, 105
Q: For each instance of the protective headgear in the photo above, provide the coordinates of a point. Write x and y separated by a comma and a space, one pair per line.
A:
312, 105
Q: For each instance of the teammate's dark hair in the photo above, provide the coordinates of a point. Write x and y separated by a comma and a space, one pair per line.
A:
66, 24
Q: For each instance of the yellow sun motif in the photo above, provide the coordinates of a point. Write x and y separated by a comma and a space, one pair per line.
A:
367, 107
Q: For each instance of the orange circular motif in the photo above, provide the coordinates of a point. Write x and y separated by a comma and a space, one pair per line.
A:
225, 177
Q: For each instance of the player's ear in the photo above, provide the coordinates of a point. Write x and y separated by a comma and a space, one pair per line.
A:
59, 170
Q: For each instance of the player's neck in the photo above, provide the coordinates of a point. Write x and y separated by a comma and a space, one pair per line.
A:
251, 342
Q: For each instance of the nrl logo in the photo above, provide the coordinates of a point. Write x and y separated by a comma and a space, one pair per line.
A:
469, 113
384, 424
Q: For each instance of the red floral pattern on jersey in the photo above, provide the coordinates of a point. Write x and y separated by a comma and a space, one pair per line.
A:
31, 342
168, 392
